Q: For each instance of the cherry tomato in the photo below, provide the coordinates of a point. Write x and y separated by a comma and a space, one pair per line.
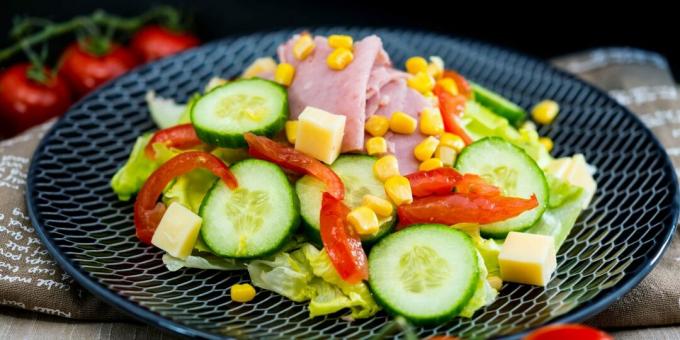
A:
341, 241
463, 208
86, 71
25, 102
463, 86
180, 136
293, 160
155, 42
452, 108
148, 211
439, 181
568, 332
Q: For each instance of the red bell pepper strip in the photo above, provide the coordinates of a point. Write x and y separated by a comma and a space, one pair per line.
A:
463, 86
148, 211
440, 181
473, 184
452, 108
457, 208
341, 241
180, 136
293, 160
443, 181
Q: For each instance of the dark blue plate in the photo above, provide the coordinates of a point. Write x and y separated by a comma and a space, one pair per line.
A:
615, 243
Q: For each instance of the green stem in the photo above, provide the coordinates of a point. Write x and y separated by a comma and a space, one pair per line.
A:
99, 17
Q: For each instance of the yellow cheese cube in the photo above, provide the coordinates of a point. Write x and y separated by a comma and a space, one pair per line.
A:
425, 149
402, 123
319, 134
377, 125
431, 122
291, 131
364, 220
177, 232
527, 258
386, 167
376, 146
446, 154
381, 206
398, 188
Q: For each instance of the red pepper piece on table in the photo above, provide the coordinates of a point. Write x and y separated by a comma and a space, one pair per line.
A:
341, 241
180, 136
293, 160
148, 211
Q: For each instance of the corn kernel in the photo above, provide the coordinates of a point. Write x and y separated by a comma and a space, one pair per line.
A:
436, 67
547, 143
545, 111
381, 206
402, 123
449, 85
416, 64
303, 47
284, 74
291, 131
421, 82
376, 146
364, 220
452, 140
259, 67
377, 125
386, 167
398, 188
446, 154
431, 164
426, 148
339, 58
242, 292
340, 41
431, 122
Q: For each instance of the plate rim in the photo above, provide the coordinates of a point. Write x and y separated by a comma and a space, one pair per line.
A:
595, 305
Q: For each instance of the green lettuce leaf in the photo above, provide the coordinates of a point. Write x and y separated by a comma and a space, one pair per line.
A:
202, 261
558, 222
130, 178
487, 248
185, 116
560, 191
484, 295
480, 122
164, 112
307, 274
189, 189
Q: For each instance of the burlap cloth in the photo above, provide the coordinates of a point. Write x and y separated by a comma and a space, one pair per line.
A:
29, 279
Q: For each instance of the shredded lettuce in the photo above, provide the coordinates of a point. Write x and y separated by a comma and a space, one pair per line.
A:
480, 123
560, 191
189, 189
484, 295
201, 261
130, 178
185, 116
164, 112
307, 274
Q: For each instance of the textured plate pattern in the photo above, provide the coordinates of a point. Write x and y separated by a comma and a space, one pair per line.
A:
91, 233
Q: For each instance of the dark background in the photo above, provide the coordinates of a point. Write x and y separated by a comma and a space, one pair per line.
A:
547, 30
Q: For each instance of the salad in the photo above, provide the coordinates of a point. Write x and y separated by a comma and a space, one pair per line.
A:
338, 180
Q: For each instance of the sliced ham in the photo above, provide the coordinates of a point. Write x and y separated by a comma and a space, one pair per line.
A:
368, 85
340, 92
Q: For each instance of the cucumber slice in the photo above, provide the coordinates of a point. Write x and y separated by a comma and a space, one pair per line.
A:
516, 173
499, 105
356, 172
254, 220
426, 273
222, 115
